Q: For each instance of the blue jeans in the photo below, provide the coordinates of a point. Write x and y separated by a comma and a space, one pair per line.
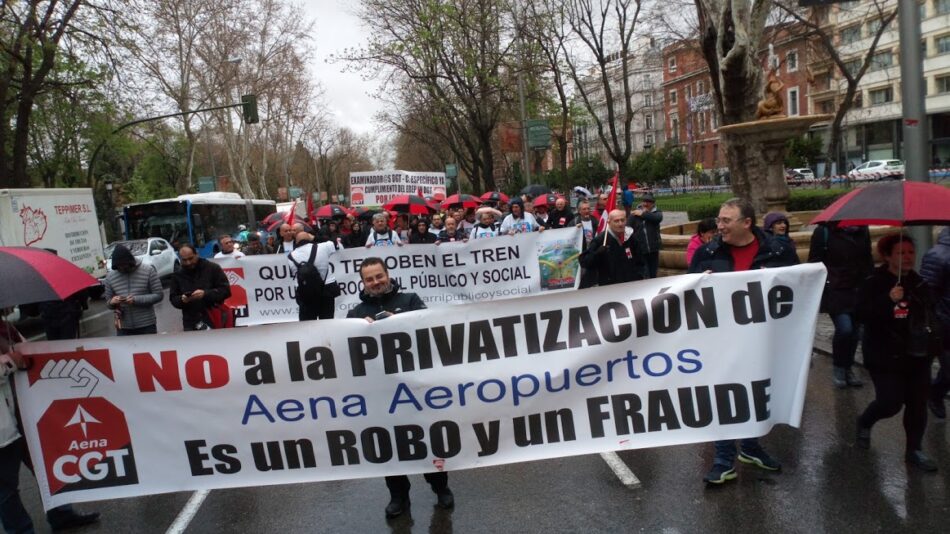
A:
726, 450
12, 513
845, 341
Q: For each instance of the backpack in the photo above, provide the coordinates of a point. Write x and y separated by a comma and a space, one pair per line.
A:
309, 282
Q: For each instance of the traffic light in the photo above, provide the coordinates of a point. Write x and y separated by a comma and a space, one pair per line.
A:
249, 107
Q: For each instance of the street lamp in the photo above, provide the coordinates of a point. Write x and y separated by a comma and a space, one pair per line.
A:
108, 186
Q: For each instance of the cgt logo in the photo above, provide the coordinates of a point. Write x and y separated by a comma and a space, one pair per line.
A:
86, 445
85, 440
238, 299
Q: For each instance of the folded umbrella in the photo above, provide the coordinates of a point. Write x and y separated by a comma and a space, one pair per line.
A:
36, 275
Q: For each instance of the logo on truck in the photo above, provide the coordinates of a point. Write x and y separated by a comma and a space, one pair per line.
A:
34, 224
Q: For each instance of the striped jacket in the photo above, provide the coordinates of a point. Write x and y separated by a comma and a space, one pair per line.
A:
144, 285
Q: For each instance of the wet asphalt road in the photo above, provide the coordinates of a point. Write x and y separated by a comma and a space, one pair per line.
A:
826, 485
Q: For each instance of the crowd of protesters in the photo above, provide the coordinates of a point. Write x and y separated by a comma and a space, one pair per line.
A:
901, 317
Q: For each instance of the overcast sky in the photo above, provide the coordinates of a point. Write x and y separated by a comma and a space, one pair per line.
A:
347, 95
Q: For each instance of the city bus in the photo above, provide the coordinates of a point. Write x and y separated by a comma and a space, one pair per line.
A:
198, 219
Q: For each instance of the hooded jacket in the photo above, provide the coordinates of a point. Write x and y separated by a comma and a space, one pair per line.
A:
394, 302
846, 253
142, 284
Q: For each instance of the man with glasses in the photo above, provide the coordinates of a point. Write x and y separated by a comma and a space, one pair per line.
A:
740, 246
227, 248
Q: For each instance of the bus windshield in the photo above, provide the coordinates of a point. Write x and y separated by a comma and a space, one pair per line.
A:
158, 219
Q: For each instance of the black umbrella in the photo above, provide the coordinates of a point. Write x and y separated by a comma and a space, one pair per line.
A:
535, 190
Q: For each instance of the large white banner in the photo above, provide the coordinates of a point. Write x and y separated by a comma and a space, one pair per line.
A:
660, 362
263, 287
375, 188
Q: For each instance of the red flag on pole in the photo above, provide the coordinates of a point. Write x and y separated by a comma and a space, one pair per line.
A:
310, 217
292, 214
611, 203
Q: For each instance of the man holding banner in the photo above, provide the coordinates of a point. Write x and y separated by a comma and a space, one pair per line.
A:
740, 246
381, 299
614, 254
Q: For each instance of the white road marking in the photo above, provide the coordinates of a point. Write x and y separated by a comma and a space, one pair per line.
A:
626, 476
188, 512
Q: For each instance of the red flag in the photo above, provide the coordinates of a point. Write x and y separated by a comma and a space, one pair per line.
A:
611, 204
310, 218
292, 214
419, 193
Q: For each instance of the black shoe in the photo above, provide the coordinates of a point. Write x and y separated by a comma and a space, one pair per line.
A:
852, 379
719, 474
74, 520
921, 461
446, 500
396, 507
937, 408
862, 438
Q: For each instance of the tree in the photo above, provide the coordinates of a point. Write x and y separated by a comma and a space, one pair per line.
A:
851, 69
803, 151
32, 33
730, 36
658, 165
605, 28
454, 53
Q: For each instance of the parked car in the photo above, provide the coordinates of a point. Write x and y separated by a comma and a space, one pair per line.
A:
877, 169
803, 173
152, 251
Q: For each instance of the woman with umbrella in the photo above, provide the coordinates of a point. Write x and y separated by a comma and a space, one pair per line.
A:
901, 338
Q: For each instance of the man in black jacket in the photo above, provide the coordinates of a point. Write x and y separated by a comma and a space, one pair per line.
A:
846, 253
195, 288
645, 220
740, 246
614, 254
381, 299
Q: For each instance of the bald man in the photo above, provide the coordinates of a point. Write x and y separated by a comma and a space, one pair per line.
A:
614, 253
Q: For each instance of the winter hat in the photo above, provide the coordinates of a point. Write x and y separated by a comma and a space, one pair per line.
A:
517, 201
772, 218
121, 257
647, 197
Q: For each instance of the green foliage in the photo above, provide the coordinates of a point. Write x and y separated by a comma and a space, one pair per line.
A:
702, 205
588, 172
803, 151
657, 165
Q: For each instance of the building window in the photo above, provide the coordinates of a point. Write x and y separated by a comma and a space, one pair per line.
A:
674, 127
791, 61
793, 101
881, 96
826, 107
648, 140
673, 97
672, 64
648, 121
882, 60
689, 93
648, 99
852, 66
942, 7
850, 34
874, 26
715, 119
943, 44
700, 87
922, 6
943, 84
702, 122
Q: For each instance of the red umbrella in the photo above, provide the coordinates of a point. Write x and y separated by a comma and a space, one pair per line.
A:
547, 200
892, 203
411, 204
36, 275
461, 200
494, 196
438, 197
330, 211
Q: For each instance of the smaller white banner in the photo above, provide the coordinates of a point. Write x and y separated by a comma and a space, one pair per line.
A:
375, 188
263, 287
